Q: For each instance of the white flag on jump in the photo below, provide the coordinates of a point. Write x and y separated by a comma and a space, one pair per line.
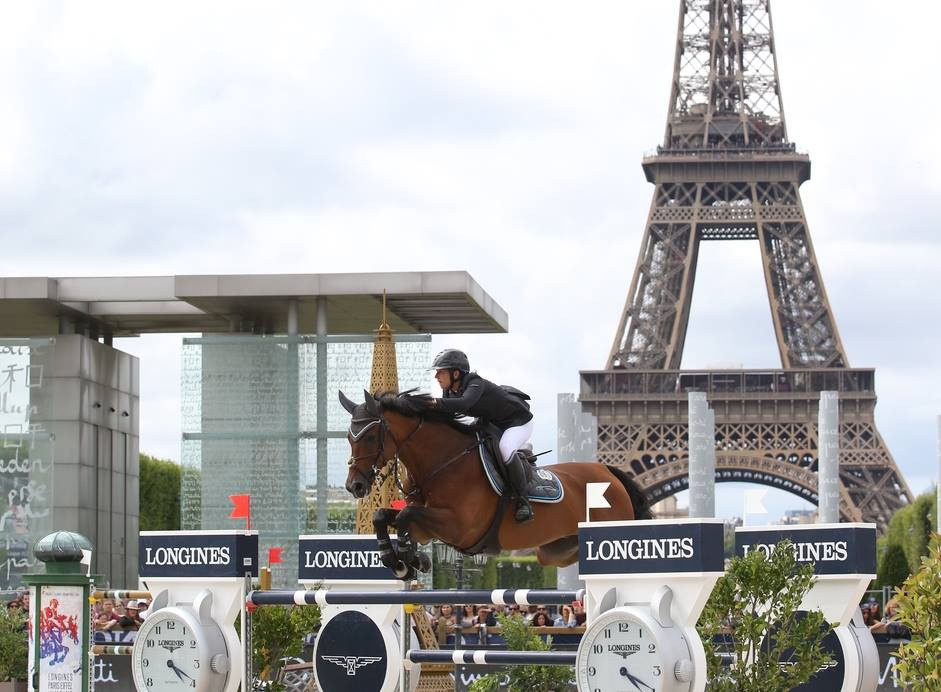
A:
594, 497
754, 501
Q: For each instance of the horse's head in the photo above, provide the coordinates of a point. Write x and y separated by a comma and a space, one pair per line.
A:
366, 436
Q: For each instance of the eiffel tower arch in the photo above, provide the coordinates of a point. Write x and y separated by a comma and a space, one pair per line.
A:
728, 171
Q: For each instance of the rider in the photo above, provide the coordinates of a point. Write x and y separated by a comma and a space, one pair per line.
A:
467, 392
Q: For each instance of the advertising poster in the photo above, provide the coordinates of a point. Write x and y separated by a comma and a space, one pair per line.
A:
61, 619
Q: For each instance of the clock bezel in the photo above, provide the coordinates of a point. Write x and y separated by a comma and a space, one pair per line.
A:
669, 649
203, 647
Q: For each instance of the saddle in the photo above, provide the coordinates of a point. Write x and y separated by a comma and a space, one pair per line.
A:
544, 486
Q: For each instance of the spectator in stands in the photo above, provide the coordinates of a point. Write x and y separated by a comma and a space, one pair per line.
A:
17, 603
466, 617
579, 611
103, 623
541, 619
485, 617
566, 618
443, 624
106, 618
144, 605
131, 619
890, 625
119, 609
530, 613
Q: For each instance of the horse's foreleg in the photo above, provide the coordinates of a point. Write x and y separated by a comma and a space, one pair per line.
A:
381, 521
416, 525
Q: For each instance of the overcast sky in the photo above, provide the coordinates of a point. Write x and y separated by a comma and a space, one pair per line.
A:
500, 138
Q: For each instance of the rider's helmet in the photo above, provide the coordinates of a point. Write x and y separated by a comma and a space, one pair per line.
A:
451, 359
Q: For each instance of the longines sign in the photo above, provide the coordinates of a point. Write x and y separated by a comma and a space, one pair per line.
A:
340, 558
831, 548
649, 547
197, 554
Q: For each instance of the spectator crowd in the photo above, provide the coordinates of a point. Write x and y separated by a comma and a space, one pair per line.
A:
111, 614
448, 619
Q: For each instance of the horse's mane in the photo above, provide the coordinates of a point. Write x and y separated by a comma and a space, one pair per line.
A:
414, 404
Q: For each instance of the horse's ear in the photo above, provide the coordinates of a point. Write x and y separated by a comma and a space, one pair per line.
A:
372, 404
346, 403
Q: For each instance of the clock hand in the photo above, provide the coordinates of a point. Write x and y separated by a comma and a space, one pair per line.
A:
179, 673
636, 680
631, 678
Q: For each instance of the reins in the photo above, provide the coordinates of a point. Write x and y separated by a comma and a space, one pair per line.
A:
417, 489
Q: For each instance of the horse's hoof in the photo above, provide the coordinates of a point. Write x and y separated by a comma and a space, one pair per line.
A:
405, 572
424, 562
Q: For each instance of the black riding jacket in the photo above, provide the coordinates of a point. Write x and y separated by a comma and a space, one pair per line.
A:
488, 401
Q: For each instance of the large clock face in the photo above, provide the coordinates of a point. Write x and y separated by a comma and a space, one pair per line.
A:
620, 653
167, 654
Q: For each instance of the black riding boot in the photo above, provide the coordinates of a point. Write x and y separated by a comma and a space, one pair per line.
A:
517, 475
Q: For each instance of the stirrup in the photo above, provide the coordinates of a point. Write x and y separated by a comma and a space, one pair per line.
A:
524, 511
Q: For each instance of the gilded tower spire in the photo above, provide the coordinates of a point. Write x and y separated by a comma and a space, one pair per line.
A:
385, 373
384, 378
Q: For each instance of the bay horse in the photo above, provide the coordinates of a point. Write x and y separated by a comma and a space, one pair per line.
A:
448, 496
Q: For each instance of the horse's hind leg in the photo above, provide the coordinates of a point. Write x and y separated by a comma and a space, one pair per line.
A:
559, 553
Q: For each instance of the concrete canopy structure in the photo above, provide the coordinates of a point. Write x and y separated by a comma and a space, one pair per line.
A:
448, 302
261, 382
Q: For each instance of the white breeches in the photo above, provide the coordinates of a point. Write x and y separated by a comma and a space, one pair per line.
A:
514, 438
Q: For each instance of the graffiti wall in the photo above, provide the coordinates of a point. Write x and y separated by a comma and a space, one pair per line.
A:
26, 453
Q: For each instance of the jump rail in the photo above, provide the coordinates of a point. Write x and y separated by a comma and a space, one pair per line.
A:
122, 594
111, 650
414, 657
321, 597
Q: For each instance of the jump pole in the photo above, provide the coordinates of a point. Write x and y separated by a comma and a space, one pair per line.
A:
322, 597
414, 657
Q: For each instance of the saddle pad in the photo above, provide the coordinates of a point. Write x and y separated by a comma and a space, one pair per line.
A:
545, 486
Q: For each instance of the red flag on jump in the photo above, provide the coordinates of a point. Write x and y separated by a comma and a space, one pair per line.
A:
242, 509
398, 504
274, 556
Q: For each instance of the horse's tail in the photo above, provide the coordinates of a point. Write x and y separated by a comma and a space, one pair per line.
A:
639, 500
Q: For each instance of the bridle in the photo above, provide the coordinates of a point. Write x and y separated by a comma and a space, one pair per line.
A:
376, 469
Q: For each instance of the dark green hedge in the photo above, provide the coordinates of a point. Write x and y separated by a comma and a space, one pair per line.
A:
159, 494
906, 538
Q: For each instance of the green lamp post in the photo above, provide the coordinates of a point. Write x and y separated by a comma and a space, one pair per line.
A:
59, 615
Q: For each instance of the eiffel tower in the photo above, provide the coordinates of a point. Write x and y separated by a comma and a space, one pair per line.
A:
728, 171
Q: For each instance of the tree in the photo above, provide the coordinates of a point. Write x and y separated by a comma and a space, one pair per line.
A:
13, 646
520, 636
911, 526
278, 632
919, 601
755, 597
893, 566
159, 494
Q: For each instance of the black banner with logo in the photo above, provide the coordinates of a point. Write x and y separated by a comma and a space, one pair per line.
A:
849, 549
350, 654
340, 558
642, 547
197, 554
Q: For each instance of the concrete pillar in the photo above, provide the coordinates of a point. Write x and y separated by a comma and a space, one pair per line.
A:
322, 414
828, 465
292, 318
702, 477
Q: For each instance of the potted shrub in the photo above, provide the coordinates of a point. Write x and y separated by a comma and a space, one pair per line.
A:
14, 649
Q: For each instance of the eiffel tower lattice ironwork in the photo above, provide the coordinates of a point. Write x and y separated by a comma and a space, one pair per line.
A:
727, 171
